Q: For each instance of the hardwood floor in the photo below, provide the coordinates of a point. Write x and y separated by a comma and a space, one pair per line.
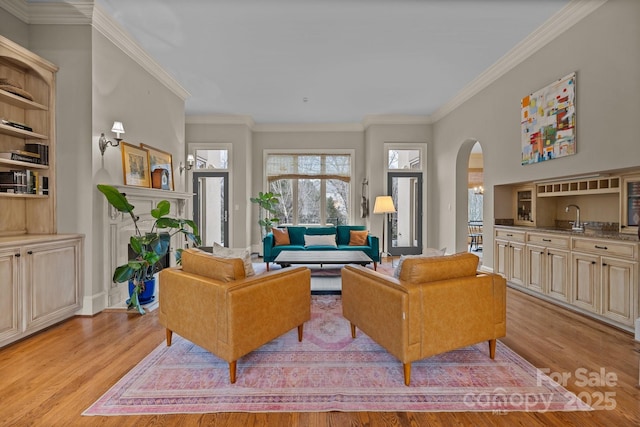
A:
50, 378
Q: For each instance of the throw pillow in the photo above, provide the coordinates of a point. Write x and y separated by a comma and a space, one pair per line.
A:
320, 240
281, 236
358, 237
243, 254
427, 253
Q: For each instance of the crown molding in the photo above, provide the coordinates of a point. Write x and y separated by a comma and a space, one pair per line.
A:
560, 22
220, 119
109, 28
308, 127
393, 119
61, 13
17, 8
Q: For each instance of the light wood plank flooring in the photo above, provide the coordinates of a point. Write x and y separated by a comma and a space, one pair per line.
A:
50, 378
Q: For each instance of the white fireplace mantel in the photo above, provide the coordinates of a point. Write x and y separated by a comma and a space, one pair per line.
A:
119, 227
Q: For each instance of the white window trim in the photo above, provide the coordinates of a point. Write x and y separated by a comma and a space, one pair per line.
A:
350, 152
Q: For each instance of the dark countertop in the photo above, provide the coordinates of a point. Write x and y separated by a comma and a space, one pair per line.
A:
590, 233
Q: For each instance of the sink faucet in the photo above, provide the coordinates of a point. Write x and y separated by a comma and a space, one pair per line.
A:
577, 225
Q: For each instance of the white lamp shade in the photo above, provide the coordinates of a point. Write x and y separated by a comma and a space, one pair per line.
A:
190, 159
117, 128
384, 204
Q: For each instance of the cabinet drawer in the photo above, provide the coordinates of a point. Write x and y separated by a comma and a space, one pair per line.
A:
510, 235
606, 247
549, 240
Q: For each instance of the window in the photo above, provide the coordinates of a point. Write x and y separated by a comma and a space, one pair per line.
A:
212, 159
403, 159
314, 188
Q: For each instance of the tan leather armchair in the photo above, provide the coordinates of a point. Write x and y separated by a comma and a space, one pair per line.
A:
437, 305
210, 302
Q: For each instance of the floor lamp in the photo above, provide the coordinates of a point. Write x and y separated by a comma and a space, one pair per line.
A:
384, 205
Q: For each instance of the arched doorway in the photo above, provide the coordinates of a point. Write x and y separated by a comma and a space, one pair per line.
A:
475, 200
464, 185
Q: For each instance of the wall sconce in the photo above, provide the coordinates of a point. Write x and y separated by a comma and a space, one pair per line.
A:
478, 190
190, 162
103, 142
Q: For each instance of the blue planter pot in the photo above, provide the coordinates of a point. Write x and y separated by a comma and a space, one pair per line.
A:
147, 295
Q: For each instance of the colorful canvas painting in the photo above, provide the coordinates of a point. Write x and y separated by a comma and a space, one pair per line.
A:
548, 122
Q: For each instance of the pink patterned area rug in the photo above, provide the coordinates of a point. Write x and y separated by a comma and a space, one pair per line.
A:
330, 371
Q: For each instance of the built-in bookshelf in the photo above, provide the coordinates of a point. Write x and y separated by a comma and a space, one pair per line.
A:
27, 142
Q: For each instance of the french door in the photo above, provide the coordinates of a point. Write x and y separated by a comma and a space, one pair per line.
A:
210, 206
405, 226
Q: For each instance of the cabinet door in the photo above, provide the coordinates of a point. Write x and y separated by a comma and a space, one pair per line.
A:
630, 204
500, 257
10, 325
618, 277
52, 282
558, 274
586, 281
536, 271
516, 264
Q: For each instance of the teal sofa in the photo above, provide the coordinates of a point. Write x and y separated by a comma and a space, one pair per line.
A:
296, 237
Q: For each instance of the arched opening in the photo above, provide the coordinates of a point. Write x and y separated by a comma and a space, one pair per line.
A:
475, 199
469, 174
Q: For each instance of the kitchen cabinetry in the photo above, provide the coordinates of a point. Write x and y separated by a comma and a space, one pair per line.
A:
525, 205
605, 278
40, 281
547, 262
630, 204
509, 255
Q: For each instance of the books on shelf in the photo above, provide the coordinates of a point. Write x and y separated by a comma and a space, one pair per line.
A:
35, 153
23, 182
16, 125
39, 148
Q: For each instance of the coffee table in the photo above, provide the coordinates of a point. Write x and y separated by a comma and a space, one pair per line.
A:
324, 257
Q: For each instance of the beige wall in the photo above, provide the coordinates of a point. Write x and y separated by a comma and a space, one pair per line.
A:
604, 50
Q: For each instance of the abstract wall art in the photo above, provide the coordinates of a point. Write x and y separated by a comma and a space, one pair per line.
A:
548, 121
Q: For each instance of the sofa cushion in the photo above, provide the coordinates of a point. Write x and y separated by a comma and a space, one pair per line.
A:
427, 253
320, 231
296, 235
202, 263
343, 235
358, 237
244, 254
328, 240
281, 236
425, 270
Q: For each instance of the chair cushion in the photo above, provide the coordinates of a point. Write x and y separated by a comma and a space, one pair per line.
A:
281, 236
358, 237
202, 263
427, 253
320, 240
424, 270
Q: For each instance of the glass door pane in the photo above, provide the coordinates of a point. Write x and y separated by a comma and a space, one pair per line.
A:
210, 207
405, 226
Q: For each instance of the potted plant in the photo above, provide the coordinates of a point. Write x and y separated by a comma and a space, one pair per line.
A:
149, 247
267, 203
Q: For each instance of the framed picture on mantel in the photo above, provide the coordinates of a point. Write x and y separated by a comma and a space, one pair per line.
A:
135, 165
159, 159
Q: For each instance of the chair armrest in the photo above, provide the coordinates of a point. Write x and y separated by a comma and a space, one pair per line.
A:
378, 305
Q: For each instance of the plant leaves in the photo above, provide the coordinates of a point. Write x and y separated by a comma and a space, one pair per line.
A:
116, 198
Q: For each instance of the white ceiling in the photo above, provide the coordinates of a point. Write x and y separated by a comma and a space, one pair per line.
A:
326, 61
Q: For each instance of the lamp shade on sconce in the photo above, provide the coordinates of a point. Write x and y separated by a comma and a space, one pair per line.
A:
117, 128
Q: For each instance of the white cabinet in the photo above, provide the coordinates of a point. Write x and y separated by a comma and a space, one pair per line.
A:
509, 255
40, 280
605, 278
547, 265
